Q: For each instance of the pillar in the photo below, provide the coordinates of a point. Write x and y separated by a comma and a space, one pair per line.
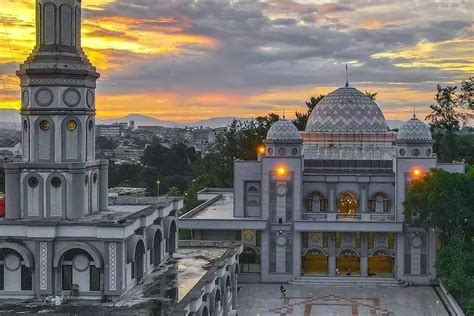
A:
264, 254
297, 254
400, 256
332, 200
76, 209
12, 192
364, 259
103, 185
332, 255
363, 200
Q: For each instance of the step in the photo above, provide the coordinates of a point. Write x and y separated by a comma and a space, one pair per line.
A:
346, 281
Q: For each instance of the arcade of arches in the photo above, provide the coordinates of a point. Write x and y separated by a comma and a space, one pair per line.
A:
352, 254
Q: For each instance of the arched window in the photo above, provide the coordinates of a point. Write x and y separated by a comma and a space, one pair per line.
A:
316, 202
249, 260
347, 203
14, 273
379, 203
79, 271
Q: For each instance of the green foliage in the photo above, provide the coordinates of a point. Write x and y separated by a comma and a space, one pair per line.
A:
173, 191
453, 107
444, 201
301, 117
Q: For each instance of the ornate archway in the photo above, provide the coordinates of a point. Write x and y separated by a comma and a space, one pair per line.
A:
347, 203
348, 262
315, 262
381, 262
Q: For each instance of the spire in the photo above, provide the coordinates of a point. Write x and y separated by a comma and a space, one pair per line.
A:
414, 110
284, 116
347, 76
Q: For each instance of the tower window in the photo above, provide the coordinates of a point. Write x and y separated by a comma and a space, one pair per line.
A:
44, 125
56, 182
71, 125
25, 125
91, 125
33, 182
94, 178
86, 180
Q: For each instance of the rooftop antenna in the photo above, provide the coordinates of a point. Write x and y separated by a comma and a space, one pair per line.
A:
347, 76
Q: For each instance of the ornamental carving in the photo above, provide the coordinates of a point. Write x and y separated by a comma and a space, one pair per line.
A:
113, 266
72, 97
44, 96
90, 98
25, 98
43, 266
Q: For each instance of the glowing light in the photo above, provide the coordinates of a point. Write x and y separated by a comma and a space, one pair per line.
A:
281, 171
417, 172
261, 149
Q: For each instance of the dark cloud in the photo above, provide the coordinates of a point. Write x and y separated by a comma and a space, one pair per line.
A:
257, 50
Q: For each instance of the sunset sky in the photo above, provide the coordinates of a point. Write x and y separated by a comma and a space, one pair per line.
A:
189, 60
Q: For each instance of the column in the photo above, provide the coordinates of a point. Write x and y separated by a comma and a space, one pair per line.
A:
332, 200
297, 268
332, 254
76, 209
400, 256
264, 254
281, 204
12, 192
363, 200
103, 185
364, 260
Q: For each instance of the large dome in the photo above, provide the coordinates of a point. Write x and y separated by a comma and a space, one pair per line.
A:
283, 130
346, 110
414, 131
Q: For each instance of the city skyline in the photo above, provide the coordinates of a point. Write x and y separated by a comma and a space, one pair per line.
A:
184, 62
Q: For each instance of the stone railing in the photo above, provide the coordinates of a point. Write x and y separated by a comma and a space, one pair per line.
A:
362, 217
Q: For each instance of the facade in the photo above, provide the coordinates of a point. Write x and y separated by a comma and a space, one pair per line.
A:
59, 235
327, 201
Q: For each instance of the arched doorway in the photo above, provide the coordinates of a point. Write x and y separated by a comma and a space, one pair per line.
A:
380, 263
347, 203
79, 272
15, 275
315, 262
157, 240
172, 238
139, 260
218, 302
249, 260
348, 262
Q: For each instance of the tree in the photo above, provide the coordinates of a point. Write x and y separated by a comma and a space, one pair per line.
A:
301, 117
444, 201
173, 191
103, 142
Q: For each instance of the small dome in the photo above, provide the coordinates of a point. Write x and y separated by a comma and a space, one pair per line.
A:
283, 130
414, 130
346, 110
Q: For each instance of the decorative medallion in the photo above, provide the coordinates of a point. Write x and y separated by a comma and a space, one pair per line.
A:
44, 96
90, 98
416, 242
282, 151
403, 152
281, 241
25, 98
56, 182
428, 152
294, 151
270, 151
380, 238
44, 125
248, 235
315, 237
80, 263
72, 97
71, 125
33, 182
348, 238
281, 189
415, 152
12, 262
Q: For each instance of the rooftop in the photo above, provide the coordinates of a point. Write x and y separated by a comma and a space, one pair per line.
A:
221, 208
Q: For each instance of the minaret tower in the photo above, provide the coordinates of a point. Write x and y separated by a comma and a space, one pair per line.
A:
59, 177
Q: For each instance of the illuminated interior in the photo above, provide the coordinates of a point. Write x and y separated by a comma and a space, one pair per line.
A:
348, 261
347, 203
315, 263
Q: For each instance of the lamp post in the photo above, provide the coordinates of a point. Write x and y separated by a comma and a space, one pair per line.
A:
158, 185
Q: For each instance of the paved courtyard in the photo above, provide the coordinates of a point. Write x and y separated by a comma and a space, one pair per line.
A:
265, 299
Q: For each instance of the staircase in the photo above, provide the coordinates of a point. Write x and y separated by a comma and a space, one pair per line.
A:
346, 281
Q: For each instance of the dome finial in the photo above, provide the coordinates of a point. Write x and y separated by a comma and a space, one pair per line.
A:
347, 76
284, 116
414, 110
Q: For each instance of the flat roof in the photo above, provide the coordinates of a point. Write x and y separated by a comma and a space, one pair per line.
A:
160, 291
223, 208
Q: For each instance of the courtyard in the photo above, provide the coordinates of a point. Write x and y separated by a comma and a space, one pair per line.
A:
266, 299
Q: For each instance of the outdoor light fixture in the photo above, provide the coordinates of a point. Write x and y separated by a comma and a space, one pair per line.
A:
417, 172
281, 171
261, 149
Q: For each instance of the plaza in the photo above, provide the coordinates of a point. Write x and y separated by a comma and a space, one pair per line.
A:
265, 299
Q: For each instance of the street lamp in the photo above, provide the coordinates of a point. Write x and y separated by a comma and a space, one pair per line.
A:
158, 185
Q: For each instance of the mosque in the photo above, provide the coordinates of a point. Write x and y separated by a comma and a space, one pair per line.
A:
328, 201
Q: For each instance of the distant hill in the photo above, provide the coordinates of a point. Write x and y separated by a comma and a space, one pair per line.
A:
140, 120
10, 119
216, 122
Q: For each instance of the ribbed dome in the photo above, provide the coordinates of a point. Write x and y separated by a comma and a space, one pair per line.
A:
283, 130
414, 130
346, 110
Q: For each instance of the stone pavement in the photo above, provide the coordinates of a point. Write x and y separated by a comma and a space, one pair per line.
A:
306, 300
